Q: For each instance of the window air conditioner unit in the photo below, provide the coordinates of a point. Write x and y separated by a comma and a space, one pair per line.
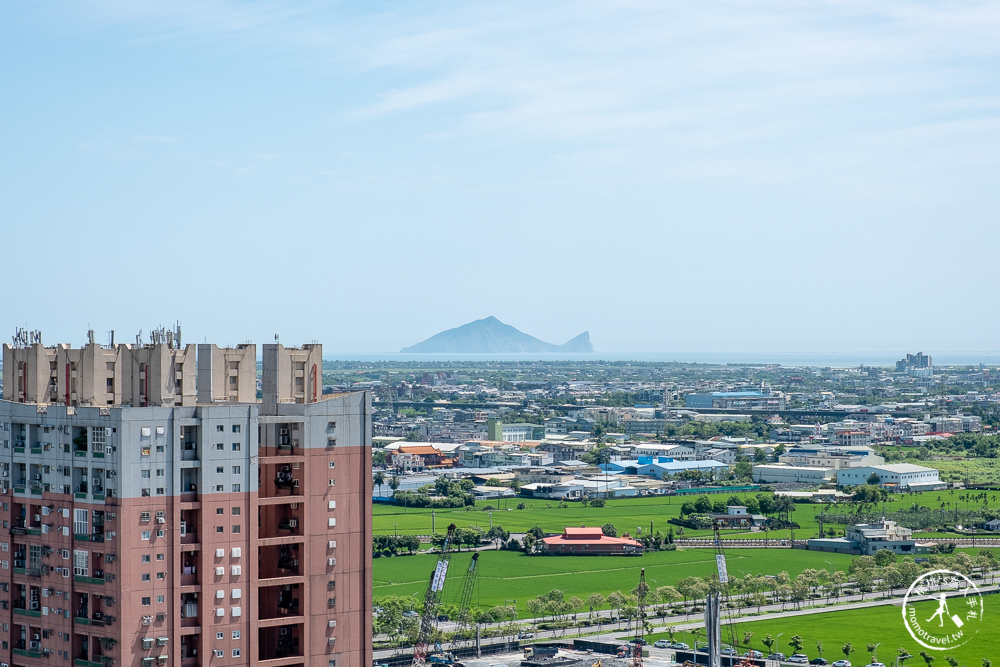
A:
295, 482
332, 544
161, 519
97, 481
294, 506
294, 523
333, 482
331, 561
331, 623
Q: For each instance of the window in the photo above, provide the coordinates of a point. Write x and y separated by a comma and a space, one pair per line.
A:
144, 474
159, 472
145, 493
220, 470
220, 428
161, 576
220, 488
144, 517
236, 634
145, 602
219, 510
219, 446
236, 470
145, 534
236, 529
159, 449
219, 653
145, 577
145, 558
236, 488
159, 599
159, 556
81, 563
236, 653
161, 491
219, 635
236, 428
332, 464
236, 446
236, 511
160, 533
81, 522
218, 529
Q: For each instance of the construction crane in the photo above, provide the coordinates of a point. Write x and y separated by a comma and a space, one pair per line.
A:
723, 590
464, 617
432, 598
640, 596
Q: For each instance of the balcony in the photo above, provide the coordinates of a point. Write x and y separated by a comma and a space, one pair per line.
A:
27, 653
27, 612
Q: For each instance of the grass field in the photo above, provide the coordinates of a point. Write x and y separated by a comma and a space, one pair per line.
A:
625, 514
863, 626
505, 575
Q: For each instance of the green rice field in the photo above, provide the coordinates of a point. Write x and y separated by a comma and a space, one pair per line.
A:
507, 576
863, 626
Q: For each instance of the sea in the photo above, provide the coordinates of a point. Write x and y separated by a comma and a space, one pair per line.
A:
790, 359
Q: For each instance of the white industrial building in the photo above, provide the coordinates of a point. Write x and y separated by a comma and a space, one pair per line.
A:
902, 476
775, 473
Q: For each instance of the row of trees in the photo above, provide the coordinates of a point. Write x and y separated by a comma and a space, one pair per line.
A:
392, 545
762, 503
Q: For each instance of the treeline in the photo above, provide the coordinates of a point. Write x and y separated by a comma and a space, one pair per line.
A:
443, 493
393, 545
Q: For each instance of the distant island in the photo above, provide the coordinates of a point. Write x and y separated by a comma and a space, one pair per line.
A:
490, 335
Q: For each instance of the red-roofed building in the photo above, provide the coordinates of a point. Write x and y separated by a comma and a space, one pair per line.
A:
585, 541
419, 457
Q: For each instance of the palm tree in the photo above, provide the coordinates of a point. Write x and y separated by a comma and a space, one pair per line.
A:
379, 480
394, 482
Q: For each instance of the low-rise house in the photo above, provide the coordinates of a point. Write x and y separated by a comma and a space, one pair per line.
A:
868, 538
736, 516
585, 541
416, 458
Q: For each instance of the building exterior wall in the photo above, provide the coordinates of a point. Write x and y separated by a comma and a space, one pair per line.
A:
778, 473
204, 528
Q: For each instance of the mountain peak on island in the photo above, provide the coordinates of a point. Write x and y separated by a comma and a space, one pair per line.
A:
490, 335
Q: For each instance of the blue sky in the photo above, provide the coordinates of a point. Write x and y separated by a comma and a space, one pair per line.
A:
680, 176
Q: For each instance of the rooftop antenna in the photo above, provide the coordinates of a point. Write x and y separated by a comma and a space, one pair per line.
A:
90, 336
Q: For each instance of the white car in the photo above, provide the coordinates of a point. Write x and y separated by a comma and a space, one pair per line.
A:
661, 643
842, 663
799, 659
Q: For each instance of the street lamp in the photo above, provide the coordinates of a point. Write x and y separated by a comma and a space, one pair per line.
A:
875, 653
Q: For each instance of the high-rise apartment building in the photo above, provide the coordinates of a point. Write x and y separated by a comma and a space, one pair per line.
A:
155, 513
